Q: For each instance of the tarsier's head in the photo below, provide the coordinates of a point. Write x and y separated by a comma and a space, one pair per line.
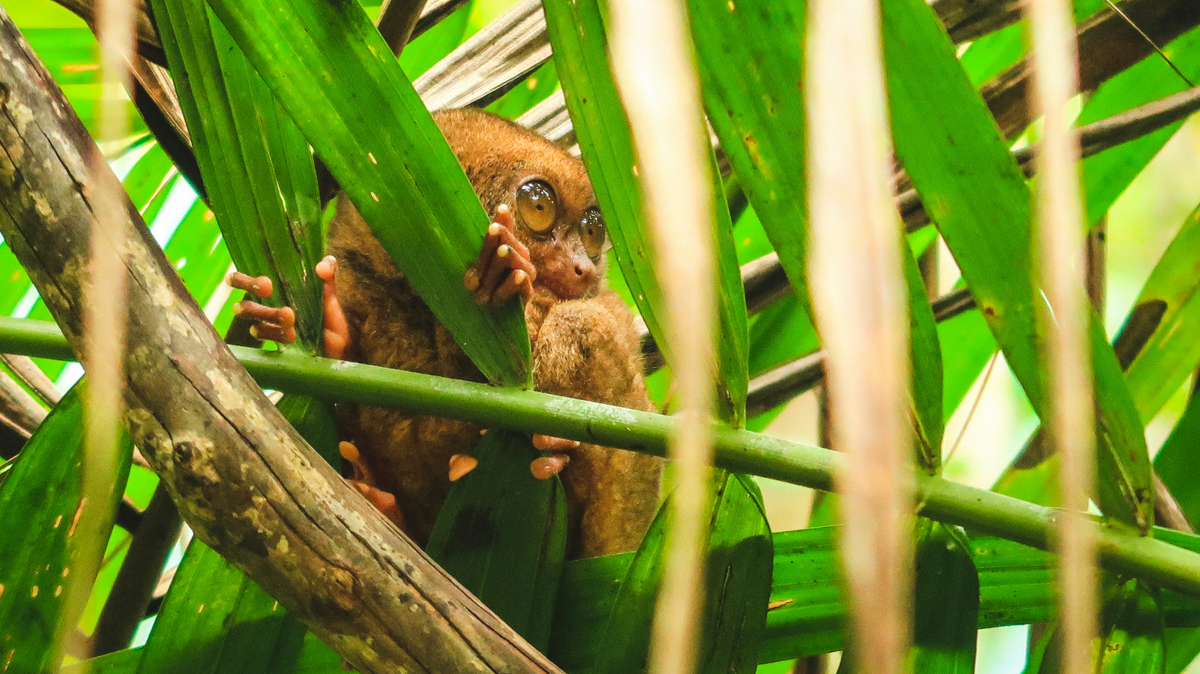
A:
546, 188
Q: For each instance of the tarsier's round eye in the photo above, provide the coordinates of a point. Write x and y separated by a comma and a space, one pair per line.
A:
537, 205
592, 231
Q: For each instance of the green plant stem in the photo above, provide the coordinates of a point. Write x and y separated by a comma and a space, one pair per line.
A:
1121, 550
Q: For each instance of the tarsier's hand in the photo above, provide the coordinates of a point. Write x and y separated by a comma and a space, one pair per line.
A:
275, 324
279, 324
503, 268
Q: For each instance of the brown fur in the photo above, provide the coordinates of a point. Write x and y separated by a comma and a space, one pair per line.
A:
583, 347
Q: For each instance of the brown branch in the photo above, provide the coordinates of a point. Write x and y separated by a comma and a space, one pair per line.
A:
1108, 44
396, 21
19, 410
489, 63
434, 12
241, 476
970, 19
31, 375
134, 587
149, 46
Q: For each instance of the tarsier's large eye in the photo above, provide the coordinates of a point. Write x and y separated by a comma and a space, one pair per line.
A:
592, 231
537, 205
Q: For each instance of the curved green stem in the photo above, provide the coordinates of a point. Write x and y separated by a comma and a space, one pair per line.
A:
1121, 549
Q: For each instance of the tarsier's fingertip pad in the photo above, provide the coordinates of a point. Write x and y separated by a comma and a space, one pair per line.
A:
471, 279
348, 451
460, 465
494, 229
548, 466
503, 251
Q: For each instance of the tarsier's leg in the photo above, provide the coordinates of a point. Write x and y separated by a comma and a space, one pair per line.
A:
364, 482
588, 349
278, 324
501, 271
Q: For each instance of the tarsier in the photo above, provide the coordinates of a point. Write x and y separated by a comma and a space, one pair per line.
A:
546, 245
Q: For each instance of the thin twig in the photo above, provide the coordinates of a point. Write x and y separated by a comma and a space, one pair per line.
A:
1150, 41
962, 433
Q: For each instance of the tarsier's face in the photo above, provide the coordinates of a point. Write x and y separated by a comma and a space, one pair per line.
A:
548, 191
566, 242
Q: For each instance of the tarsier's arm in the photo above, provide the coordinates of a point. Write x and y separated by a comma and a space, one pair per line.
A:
545, 245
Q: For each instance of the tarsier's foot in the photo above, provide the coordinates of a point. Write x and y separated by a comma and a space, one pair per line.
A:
460, 465
364, 482
275, 324
545, 467
502, 269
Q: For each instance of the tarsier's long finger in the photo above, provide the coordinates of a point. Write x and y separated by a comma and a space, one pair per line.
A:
337, 330
460, 465
547, 443
383, 501
548, 466
267, 331
507, 237
362, 472
491, 241
517, 283
260, 286
497, 270
284, 317
502, 251
270, 323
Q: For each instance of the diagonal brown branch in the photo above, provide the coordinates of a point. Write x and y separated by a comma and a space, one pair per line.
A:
1108, 44
241, 476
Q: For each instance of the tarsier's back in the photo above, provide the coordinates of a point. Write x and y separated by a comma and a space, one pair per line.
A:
584, 342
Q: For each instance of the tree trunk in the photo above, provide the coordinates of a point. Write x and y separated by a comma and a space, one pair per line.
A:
241, 476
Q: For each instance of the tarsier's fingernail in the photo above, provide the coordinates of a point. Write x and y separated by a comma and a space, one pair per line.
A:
503, 251
460, 465
494, 229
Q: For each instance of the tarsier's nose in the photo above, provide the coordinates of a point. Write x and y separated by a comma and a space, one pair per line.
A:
585, 271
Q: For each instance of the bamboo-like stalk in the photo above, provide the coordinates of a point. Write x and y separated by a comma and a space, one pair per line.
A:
1062, 268
858, 297
104, 309
976, 509
656, 74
